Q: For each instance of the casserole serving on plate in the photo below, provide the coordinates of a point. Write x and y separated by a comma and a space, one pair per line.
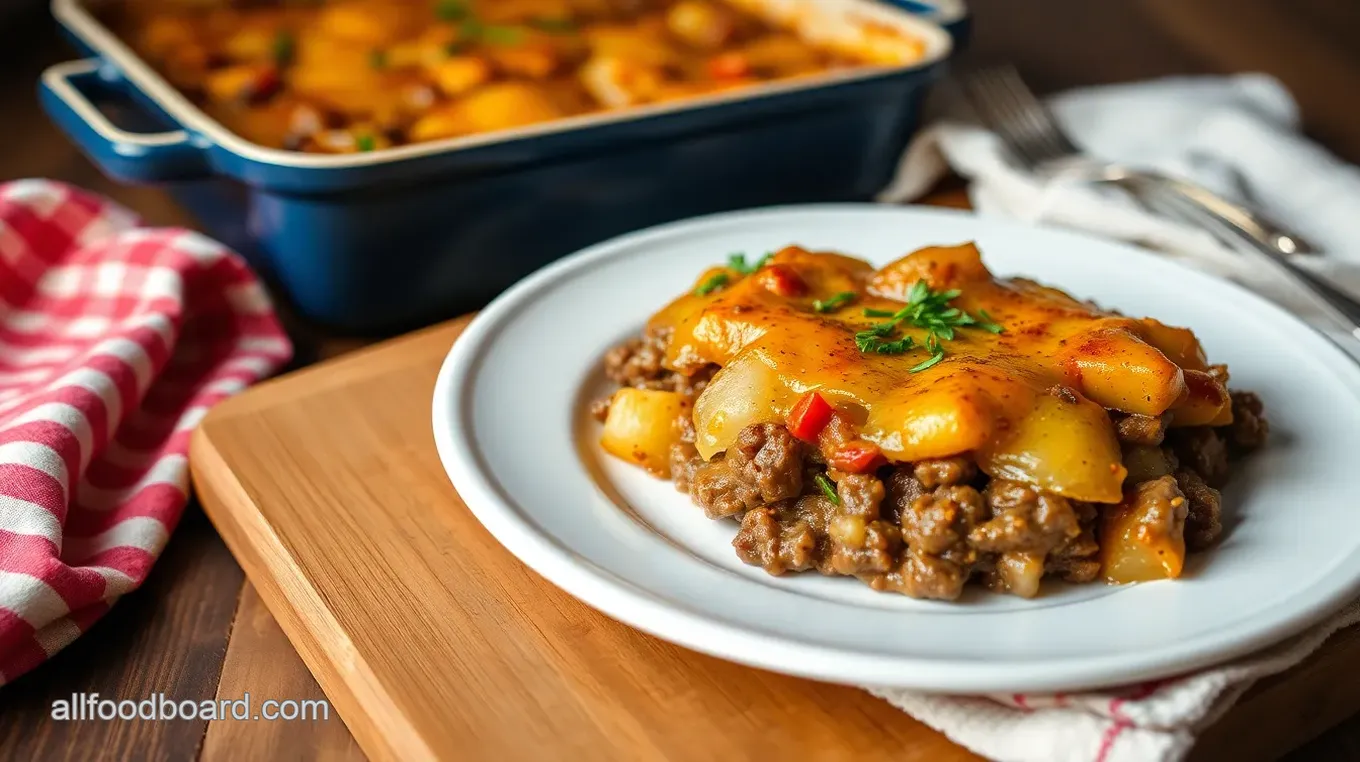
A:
377, 240
927, 423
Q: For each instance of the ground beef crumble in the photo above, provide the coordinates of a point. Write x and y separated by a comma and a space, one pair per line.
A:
925, 529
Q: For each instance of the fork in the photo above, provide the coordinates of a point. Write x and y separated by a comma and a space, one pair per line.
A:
1003, 101
1027, 126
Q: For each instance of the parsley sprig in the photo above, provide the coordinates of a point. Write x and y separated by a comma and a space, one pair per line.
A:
711, 284
738, 262
735, 262
827, 488
926, 309
284, 48
472, 29
834, 303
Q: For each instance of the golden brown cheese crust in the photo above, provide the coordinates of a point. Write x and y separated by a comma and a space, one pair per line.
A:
1029, 404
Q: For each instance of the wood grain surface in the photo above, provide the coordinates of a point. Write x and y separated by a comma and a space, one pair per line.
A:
434, 642
169, 638
1311, 45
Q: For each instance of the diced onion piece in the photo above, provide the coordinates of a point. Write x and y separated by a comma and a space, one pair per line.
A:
1143, 538
1019, 573
618, 82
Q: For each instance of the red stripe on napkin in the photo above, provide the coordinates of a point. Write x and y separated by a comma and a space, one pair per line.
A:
114, 341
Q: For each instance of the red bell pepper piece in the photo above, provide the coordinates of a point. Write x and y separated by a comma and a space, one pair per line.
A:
729, 66
809, 416
857, 457
782, 280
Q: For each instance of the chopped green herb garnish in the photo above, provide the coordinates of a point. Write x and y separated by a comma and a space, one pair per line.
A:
713, 283
452, 10
932, 362
365, 143
554, 25
470, 29
738, 262
835, 302
457, 47
284, 47
900, 346
928, 310
498, 35
377, 59
827, 488
987, 324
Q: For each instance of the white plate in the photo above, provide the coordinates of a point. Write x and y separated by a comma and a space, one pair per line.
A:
510, 427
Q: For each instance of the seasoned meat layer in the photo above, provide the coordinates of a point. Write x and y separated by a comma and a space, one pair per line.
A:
924, 529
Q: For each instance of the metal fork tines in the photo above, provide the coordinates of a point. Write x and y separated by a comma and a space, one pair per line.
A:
1002, 100
1029, 130
1024, 124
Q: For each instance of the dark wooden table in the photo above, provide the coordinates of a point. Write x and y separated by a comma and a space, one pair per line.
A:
197, 630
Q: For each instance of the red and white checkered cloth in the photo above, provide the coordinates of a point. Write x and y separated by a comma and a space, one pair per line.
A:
114, 341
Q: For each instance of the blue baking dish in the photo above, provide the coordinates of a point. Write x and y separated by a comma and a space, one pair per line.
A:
377, 242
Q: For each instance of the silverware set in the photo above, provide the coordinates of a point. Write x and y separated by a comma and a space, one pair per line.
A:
1002, 101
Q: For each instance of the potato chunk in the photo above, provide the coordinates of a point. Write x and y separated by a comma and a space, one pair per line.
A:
642, 425
1179, 344
1205, 403
1122, 372
1143, 538
1064, 445
744, 392
701, 23
943, 267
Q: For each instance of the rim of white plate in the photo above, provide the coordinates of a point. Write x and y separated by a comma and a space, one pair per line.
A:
705, 632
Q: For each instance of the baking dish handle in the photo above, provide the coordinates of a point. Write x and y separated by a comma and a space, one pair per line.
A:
127, 156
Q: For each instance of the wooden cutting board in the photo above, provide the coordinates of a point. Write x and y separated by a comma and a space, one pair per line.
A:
432, 642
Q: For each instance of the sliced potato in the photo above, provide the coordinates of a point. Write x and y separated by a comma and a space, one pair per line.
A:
744, 392
642, 425
1179, 344
943, 267
1062, 446
943, 419
507, 104
1119, 370
1206, 402
1143, 538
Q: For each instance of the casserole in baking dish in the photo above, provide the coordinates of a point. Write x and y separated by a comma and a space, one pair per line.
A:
380, 240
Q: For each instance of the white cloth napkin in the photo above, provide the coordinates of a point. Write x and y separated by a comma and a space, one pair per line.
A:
1240, 137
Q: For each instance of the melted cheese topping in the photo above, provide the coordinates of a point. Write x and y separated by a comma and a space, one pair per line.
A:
1028, 404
